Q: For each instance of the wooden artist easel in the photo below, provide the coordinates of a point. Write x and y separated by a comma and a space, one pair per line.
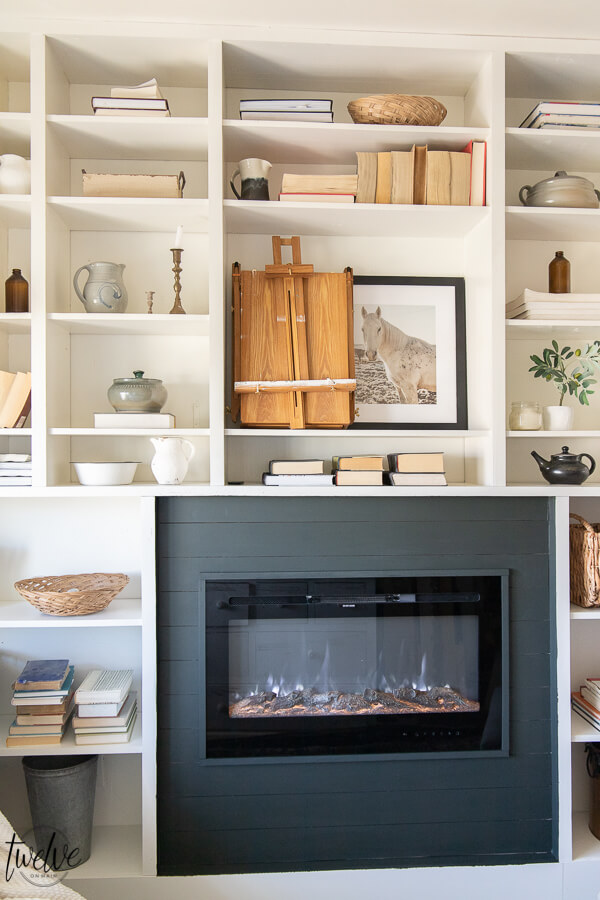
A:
293, 344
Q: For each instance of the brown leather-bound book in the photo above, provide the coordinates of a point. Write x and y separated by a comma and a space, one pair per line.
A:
420, 177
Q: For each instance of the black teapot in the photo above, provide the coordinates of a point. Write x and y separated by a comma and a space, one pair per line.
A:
565, 467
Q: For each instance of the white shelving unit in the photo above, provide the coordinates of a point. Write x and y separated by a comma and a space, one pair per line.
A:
46, 81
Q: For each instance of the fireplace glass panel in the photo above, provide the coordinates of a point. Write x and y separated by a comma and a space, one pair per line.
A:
339, 666
369, 666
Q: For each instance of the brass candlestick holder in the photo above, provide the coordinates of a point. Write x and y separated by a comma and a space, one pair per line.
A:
177, 307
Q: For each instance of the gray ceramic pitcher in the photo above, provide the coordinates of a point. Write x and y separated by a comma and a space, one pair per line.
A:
104, 291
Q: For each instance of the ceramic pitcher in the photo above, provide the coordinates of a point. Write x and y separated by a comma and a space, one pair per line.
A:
171, 459
254, 174
104, 291
15, 174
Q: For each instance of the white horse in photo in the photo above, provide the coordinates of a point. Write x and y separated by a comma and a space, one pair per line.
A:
409, 361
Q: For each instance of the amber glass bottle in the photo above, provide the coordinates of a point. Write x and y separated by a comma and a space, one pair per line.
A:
559, 274
16, 293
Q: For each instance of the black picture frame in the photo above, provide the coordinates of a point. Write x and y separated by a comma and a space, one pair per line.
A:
440, 300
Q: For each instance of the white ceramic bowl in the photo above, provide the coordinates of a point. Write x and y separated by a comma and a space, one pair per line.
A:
104, 473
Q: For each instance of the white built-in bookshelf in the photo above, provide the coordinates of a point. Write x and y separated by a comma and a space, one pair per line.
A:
57, 526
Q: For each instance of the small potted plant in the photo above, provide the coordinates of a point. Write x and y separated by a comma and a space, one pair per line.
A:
571, 371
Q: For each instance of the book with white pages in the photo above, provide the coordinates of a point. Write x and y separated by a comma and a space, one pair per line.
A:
104, 686
114, 737
108, 725
149, 89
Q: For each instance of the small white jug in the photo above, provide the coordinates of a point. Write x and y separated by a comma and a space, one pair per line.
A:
171, 460
15, 174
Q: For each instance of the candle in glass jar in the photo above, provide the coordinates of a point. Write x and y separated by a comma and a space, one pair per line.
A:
525, 416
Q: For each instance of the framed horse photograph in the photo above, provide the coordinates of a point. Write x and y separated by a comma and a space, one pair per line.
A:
410, 352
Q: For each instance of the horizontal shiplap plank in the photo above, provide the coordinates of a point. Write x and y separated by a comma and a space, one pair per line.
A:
336, 810
312, 845
307, 509
189, 780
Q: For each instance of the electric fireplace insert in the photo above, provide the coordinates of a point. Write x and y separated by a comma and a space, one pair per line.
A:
376, 665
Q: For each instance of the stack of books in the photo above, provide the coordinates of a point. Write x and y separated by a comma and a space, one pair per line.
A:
416, 468
422, 176
561, 114
15, 469
43, 697
357, 470
15, 398
586, 702
289, 110
303, 472
542, 305
106, 707
136, 100
319, 188
134, 420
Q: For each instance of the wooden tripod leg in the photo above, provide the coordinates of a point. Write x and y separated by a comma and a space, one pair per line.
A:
237, 337
295, 354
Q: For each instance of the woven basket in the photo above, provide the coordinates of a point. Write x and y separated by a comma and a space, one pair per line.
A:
71, 595
584, 551
397, 109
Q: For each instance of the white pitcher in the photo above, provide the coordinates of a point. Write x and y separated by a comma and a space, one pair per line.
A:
15, 174
171, 460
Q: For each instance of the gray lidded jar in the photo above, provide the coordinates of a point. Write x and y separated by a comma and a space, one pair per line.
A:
61, 791
137, 394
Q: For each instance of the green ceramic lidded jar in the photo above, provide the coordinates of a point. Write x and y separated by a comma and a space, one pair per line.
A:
137, 394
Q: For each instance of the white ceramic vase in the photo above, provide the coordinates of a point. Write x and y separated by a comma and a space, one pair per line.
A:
15, 174
171, 459
557, 418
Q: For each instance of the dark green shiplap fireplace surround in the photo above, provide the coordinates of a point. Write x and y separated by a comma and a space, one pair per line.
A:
218, 816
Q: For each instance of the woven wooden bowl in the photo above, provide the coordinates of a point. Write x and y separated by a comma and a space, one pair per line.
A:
71, 595
397, 109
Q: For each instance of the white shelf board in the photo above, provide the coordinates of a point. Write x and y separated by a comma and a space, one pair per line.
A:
526, 223
380, 433
554, 435
581, 731
345, 219
131, 323
15, 432
15, 323
131, 432
67, 746
123, 612
116, 853
586, 847
15, 210
132, 137
582, 612
15, 133
132, 213
548, 148
532, 329
332, 142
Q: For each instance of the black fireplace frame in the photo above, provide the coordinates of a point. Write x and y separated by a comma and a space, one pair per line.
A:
212, 753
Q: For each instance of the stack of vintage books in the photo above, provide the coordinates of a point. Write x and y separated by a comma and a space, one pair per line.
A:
563, 114
106, 707
407, 469
319, 188
586, 702
358, 470
43, 697
15, 469
287, 109
546, 306
132, 100
296, 472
